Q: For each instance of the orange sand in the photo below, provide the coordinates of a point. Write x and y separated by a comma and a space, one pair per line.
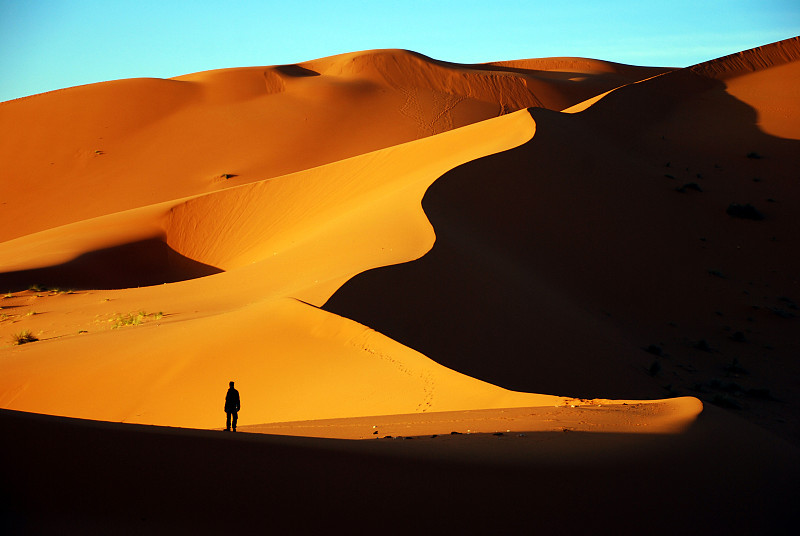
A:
381, 244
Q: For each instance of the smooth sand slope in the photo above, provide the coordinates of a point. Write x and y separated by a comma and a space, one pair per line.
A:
286, 245
247, 262
559, 262
380, 244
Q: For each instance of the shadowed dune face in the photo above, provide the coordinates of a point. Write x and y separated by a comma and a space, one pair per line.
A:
137, 264
557, 262
295, 71
696, 482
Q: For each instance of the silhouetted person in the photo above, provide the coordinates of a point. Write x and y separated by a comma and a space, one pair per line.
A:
232, 406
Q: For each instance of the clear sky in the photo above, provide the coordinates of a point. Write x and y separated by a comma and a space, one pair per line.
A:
51, 44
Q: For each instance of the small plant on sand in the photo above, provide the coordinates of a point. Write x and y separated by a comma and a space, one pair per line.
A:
134, 319
735, 368
655, 350
703, 346
725, 401
689, 186
761, 392
24, 336
745, 212
738, 336
55, 290
130, 319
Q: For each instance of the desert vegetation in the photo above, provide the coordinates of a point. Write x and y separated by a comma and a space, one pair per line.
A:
745, 212
134, 319
23, 337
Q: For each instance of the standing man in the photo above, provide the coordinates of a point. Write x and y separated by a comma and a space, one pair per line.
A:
232, 406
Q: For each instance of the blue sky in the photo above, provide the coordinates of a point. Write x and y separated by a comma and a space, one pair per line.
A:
46, 45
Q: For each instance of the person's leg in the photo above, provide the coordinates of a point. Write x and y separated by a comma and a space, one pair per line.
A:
235, 419
228, 421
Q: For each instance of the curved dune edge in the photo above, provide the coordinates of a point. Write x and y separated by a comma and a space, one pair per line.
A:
208, 131
774, 90
766, 78
752, 60
568, 415
297, 214
291, 360
256, 322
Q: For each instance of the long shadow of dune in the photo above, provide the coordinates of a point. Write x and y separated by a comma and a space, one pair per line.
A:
609, 484
555, 262
138, 264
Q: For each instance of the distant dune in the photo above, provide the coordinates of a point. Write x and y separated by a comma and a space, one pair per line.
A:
551, 274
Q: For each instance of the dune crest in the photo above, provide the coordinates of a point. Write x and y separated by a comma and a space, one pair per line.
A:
382, 233
748, 61
567, 414
497, 295
595, 239
208, 131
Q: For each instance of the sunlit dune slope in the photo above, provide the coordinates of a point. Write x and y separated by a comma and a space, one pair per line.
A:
768, 80
675, 415
128, 143
537, 284
297, 237
242, 200
600, 258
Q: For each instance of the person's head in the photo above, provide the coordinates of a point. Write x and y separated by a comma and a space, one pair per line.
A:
231, 384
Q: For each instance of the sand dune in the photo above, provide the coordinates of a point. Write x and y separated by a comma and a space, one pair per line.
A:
605, 234
142, 479
568, 415
142, 141
289, 239
382, 244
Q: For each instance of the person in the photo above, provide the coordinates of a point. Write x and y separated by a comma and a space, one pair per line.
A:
232, 407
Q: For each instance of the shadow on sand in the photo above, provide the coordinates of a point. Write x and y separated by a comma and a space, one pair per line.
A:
138, 264
555, 262
134, 479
